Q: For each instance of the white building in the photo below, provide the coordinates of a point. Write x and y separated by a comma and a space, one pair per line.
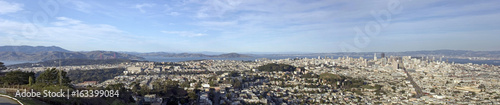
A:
134, 70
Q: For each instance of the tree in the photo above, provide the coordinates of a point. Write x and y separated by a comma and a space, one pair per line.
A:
17, 78
30, 80
276, 67
234, 74
213, 83
192, 95
310, 75
236, 83
185, 84
135, 87
197, 85
124, 94
53, 77
118, 102
482, 87
100, 75
345, 81
168, 89
59, 75
473, 93
331, 78
2, 67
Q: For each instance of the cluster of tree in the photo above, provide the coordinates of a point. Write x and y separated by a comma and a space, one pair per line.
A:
72, 62
46, 78
125, 94
277, 67
54, 80
331, 78
169, 90
234, 74
17, 78
236, 83
94, 75
345, 81
310, 75
2, 67
53, 77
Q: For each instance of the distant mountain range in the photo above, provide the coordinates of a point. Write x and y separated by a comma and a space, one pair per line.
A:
71, 62
40, 53
180, 55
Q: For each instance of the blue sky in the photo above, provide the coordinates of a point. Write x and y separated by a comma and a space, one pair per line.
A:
252, 25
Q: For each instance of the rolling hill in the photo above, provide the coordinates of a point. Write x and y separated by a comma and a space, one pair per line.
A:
40, 53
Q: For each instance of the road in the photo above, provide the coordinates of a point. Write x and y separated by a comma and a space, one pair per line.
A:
415, 85
7, 101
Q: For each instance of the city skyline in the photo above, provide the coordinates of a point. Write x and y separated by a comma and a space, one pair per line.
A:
252, 26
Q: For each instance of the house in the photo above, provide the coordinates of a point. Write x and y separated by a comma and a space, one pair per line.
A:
153, 99
86, 83
134, 70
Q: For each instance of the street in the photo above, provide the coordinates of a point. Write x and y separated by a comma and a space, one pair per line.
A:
7, 101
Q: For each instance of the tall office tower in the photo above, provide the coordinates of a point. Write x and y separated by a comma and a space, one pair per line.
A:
394, 64
375, 57
382, 55
384, 61
401, 65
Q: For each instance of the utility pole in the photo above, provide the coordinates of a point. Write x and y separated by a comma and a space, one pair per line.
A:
60, 77
60, 74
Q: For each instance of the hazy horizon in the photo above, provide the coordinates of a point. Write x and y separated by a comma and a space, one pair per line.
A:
216, 53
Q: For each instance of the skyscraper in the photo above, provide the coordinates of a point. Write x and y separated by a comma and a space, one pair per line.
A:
375, 57
394, 64
382, 55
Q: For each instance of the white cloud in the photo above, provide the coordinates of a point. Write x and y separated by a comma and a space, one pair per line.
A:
11, 27
81, 6
6, 7
217, 23
141, 6
184, 33
97, 8
273, 14
63, 21
314, 21
66, 31
174, 14
239, 21
75, 28
217, 8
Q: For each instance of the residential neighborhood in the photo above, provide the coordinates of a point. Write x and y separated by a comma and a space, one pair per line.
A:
386, 80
